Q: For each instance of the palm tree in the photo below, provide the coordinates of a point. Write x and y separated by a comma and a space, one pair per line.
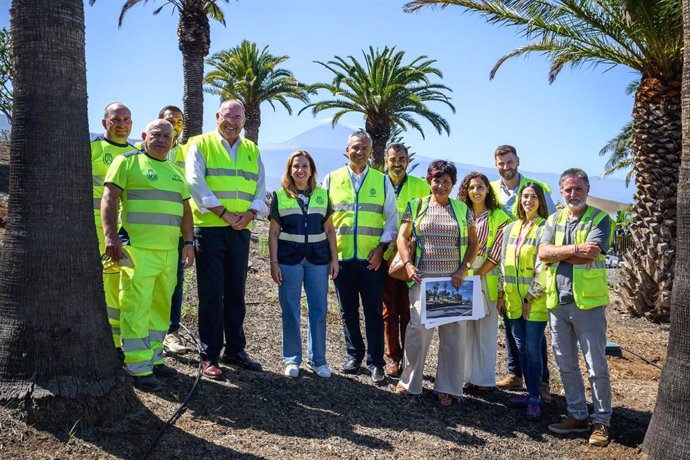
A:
57, 361
194, 35
620, 154
252, 76
387, 92
667, 435
646, 36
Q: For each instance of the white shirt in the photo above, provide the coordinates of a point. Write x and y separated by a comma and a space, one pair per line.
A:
195, 171
390, 207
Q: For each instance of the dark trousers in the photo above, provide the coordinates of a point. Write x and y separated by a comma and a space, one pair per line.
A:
176, 301
221, 270
396, 316
354, 281
514, 357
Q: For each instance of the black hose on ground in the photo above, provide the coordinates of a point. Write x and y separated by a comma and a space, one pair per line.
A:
173, 418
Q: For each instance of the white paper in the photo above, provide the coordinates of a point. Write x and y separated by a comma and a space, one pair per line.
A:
441, 303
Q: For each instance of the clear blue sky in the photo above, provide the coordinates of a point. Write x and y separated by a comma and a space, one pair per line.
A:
553, 126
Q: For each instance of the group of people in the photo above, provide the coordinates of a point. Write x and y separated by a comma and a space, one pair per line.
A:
536, 264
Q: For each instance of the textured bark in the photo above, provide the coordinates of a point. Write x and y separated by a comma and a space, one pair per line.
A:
57, 362
657, 145
380, 131
194, 34
667, 435
251, 127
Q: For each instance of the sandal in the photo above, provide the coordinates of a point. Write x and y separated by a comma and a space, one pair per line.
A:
401, 390
445, 399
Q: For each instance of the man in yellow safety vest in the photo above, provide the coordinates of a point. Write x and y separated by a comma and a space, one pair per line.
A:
574, 244
365, 216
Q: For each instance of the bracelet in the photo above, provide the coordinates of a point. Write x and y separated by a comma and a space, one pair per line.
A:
407, 262
274, 261
253, 211
220, 216
189, 242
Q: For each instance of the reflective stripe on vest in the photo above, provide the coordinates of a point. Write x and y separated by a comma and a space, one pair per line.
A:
518, 271
295, 227
496, 218
234, 183
590, 286
358, 217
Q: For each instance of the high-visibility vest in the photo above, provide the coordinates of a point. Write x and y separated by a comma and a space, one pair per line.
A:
496, 186
496, 218
590, 287
459, 210
103, 152
234, 183
518, 271
152, 199
358, 217
412, 187
302, 235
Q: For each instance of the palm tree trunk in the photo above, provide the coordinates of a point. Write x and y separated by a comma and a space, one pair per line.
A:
193, 98
667, 435
380, 132
57, 362
647, 287
251, 127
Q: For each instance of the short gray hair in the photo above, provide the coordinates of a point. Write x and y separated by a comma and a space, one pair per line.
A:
360, 133
573, 172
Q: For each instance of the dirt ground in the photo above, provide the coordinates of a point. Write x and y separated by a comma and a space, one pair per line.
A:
266, 415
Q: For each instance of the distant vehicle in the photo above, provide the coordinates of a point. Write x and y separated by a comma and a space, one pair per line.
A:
613, 261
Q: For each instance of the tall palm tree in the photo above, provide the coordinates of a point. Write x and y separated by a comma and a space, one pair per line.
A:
194, 35
57, 361
646, 36
253, 77
667, 435
386, 91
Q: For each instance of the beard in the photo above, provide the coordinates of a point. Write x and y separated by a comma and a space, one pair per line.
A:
508, 174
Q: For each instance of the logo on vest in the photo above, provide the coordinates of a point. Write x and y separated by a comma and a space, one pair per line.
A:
108, 158
176, 178
319, 200
372, 192
151, 175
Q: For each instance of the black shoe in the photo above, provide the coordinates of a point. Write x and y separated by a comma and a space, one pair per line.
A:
351, 366
242, 359
378, 377
147, 383
163, 371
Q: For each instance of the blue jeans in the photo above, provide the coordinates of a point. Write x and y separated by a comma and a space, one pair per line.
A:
315, 280
514, 358
529, 338
176, 301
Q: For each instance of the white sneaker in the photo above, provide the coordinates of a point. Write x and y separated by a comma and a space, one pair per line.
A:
322, 371
292, 371
174, 343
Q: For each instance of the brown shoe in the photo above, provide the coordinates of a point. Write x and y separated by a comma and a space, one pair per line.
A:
510, 382
570, 425
546, 392
601, 435
392, 369
211, 370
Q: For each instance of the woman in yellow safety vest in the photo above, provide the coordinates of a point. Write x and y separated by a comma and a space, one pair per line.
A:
489, 221
446, 245
521, 291
302, 249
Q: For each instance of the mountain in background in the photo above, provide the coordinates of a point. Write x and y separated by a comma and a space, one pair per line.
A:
327, 145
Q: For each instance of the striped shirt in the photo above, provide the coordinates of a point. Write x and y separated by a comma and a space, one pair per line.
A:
438, 233
481, 224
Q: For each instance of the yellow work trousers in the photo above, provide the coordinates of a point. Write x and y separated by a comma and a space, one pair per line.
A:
111, 287
145, 293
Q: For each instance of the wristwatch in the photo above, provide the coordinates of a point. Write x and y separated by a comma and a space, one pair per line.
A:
467, 265
525, 300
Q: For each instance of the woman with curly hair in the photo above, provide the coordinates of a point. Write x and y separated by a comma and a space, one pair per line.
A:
480, 340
